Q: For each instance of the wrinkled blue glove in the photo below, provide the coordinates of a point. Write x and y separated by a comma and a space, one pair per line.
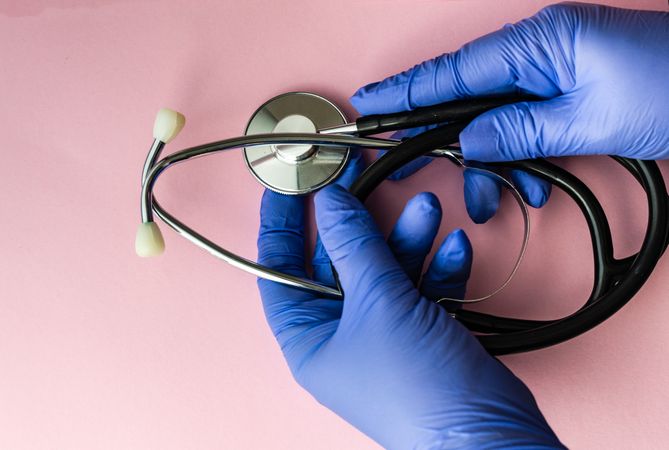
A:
604, 72
389, 361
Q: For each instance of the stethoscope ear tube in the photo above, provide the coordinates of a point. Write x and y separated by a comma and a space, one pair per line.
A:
149, 240
616, 281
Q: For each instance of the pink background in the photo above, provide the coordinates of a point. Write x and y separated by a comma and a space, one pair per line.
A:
102, 350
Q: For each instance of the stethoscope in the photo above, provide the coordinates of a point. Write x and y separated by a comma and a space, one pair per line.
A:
298, 142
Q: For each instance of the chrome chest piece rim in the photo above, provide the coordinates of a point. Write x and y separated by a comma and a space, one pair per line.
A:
295, 169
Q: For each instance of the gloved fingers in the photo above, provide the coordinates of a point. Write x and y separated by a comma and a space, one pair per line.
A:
413, 234
281, 236
353, 169
450, 268
481, 197
521, 57
415, 165
320, 263
482, 194
281, 247
289, 311
367, 269
529, 130
534, 190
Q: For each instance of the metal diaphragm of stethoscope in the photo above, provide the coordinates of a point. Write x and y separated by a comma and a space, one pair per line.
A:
298, 142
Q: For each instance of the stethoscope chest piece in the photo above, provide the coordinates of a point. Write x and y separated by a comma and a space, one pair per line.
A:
288, 168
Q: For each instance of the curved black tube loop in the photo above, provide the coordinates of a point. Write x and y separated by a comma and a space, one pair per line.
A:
615, 281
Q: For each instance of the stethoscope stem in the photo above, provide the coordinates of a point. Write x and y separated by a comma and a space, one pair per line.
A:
448, 112
347, 128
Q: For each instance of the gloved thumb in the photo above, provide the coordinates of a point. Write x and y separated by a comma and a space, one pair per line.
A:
528, 130
367, 269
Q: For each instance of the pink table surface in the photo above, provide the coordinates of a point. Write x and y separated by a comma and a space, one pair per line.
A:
102, 350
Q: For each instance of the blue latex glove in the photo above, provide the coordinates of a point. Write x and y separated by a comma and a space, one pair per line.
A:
387, 360
604, 72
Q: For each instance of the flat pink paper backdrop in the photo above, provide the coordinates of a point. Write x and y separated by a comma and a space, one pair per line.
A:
102, 350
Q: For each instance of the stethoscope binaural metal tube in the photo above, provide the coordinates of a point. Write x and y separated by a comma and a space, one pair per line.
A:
244, 141
149, 205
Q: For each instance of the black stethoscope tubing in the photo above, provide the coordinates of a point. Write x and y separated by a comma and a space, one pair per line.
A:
616, 281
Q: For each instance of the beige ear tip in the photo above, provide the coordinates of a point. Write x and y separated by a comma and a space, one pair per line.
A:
168, 124
149, 240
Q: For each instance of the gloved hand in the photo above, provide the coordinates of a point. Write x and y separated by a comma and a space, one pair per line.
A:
389, 361
603, 71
